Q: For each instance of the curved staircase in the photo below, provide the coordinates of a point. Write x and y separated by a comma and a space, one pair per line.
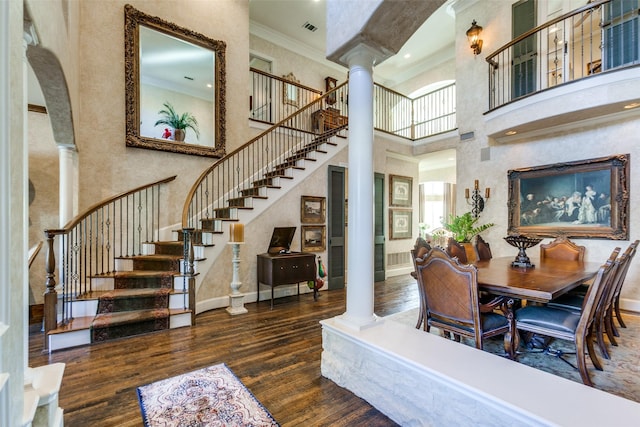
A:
152, 286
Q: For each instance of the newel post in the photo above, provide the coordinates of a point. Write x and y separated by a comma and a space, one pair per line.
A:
189, 272
50, 294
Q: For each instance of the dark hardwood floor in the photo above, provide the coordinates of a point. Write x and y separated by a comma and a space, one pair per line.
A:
276, 354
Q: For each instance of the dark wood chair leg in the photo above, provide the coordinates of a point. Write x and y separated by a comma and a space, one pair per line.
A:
600, 338
618, 315
592, 354
580, 357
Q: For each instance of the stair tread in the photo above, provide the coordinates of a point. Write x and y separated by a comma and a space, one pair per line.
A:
123, 317
137, 273
151, 256
127, 293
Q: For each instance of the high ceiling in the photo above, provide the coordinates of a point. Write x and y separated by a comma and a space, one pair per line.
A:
286, 22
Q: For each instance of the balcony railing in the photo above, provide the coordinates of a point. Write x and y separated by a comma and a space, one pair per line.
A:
599, 37
394, 113
275, 98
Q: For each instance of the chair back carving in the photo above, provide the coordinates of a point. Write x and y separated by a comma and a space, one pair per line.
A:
563, 249
455, 249
483, 250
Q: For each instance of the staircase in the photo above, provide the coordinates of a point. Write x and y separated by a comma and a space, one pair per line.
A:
153, 288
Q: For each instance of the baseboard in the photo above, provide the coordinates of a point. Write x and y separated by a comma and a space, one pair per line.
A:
632, 305
250, 297
398, 271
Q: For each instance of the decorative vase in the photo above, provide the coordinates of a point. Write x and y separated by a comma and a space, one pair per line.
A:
470, 251
178, 135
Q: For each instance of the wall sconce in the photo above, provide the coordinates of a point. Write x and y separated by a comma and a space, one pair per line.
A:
477, 201
473, 35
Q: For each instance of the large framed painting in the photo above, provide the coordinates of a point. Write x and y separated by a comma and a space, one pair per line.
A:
400, 223
400, 191
583, 199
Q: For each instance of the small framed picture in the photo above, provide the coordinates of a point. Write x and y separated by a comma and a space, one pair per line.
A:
400, 190
313, 238
312, 210
400, 223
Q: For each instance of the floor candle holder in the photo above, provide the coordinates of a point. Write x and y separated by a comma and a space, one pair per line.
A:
236, 299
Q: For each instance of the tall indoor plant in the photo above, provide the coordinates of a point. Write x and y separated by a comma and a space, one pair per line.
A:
179, 122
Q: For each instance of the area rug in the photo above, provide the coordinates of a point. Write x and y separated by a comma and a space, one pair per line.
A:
212, 396
621, 374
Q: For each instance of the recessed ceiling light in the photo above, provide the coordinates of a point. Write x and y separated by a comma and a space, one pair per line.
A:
407, 55
511, 132
209, 85
632, 105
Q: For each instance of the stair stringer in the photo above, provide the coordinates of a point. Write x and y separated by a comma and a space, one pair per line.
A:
247, 216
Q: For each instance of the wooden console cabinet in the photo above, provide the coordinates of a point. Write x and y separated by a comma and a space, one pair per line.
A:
284, 269
329, 118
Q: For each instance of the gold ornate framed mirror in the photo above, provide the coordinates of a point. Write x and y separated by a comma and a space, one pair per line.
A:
175, 87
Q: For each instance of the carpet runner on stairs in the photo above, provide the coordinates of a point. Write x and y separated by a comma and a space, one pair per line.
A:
139, 302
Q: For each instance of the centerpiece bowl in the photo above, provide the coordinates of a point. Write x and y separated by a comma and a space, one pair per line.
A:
522, 243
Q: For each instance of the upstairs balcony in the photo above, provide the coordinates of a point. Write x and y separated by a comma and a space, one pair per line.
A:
571, 71
274, 98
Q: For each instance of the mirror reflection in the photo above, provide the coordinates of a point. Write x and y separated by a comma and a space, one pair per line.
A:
174, 87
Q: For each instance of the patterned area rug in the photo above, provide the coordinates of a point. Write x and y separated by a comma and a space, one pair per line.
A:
212, 396
621, 373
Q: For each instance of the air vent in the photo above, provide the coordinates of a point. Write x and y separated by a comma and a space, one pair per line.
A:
309, 26
188, 78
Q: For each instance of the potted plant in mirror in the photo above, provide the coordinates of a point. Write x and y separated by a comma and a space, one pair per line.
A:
463, 229
179, 122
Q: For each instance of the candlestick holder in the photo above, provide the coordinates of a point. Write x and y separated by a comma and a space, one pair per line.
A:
477, 202
236, 299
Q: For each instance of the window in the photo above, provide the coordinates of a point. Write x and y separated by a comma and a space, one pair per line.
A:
620, 31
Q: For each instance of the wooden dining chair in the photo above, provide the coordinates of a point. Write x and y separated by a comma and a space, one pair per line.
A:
483, 250
455, 249
615, 309
570, 325
563, 249
601, 324
451, 301
419, 251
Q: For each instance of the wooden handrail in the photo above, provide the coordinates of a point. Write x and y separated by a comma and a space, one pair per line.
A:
283, 80
76, 220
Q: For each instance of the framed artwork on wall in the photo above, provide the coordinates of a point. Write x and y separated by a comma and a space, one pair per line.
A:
584, 199
400, 191
312, 210
400, 223
313, 238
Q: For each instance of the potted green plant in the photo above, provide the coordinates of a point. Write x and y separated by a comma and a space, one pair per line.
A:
179, 122
464, 228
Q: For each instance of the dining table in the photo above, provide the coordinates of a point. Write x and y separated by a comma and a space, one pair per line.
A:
546, 280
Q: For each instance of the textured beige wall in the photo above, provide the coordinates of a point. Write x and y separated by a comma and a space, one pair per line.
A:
616, 136
307, 71
107, 166
43, 210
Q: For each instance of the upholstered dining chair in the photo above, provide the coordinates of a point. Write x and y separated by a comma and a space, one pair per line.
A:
562, 248
570, 325
455, 249
451, 301
604, 311
483, 250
